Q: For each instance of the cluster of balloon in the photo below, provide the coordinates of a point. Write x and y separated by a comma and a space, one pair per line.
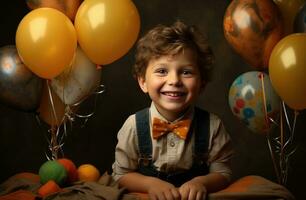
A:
253, 100
46, 42
40, 37
260, 31
252, 28
20, 88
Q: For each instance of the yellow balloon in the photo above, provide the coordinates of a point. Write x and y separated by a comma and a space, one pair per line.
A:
46, 42
107, 29
287, 69
289, 9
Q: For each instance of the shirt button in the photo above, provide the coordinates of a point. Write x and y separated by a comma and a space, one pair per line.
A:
172, 143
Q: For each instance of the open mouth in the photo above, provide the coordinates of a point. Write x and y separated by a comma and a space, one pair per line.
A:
174, 94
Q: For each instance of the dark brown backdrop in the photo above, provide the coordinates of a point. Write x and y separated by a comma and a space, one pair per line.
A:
22, 141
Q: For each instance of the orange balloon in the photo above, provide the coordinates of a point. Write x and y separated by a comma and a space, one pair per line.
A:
107, 29
68, 7
253, 28
289, 9
46, 41
287, 69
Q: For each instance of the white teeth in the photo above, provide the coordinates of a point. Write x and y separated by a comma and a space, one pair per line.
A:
173, 94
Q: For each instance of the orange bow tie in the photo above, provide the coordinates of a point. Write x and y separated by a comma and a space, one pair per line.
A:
161, 127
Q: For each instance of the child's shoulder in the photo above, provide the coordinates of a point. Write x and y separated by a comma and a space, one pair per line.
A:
130, 121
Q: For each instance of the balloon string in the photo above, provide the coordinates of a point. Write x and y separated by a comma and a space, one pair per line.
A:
46, 137
283, 143
261, 75
281, 133
273, 121
282, 146
264, 100
286, 115
285, 156
71, 115
273, 159
291, 128
99, 90
56, 143
54, 147
54, 116
296, 113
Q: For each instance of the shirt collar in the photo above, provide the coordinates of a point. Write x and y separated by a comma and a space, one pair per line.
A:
154, 113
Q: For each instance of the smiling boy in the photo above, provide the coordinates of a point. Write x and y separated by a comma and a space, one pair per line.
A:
173, 150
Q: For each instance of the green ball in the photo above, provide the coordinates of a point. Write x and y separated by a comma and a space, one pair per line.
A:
52, 170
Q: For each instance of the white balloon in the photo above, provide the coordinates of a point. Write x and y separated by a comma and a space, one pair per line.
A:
78, 81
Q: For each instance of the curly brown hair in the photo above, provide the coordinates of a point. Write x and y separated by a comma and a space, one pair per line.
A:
171, 40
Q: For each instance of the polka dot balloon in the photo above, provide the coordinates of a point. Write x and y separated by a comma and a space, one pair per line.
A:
253, 100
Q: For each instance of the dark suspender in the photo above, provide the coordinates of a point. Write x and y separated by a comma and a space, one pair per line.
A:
144, 137
146, 167
201, 134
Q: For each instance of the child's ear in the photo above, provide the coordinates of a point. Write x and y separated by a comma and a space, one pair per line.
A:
142, 84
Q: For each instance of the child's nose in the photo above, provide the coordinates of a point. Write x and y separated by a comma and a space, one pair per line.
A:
174, 79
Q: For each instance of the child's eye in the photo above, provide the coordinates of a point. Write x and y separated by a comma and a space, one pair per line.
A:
187, 72
161, 71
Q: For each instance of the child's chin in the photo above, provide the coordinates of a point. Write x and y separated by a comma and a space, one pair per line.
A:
177, 108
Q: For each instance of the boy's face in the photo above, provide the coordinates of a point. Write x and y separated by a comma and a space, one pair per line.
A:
173, 83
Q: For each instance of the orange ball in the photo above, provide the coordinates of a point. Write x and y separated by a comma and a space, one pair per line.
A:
88, 172
48, 188
70, 168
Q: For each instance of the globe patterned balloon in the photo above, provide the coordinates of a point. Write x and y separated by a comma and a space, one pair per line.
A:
253, 100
